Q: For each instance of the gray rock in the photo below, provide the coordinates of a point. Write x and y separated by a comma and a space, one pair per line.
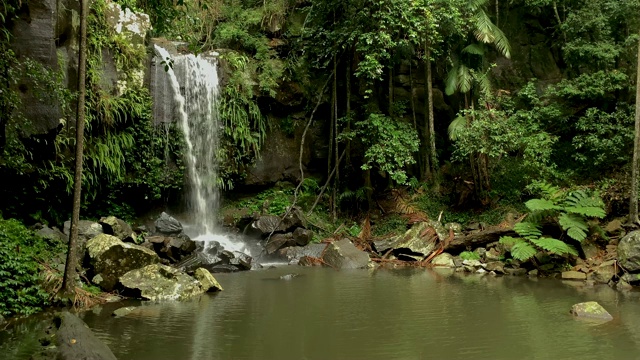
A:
344, 255
288, 276
623, 285
574, 275
416, 241
118, 228
613, 227
159, 283
443, 260
73, 341
605, 272
633, 279
266, 224
168, 225
241, 261
533, 272
109, 258
123, 311
629, 252
591, 310
590, 249
495, 266
473, 263
52, 234
302, 236
482, 252
457, 228
492, 255
207, 281
278, 241
295, 253
515, 272
86, 229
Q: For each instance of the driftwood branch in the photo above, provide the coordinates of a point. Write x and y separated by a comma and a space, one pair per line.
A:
471, 241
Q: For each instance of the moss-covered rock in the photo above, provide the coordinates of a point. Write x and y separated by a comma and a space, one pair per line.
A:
629, 251
110, 258
207, 281
591, 310
160, 283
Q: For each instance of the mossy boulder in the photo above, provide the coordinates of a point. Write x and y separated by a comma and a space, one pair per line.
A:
443, 260
207, 281
109, 258
591, 310
158, 282
344, 255
629, 252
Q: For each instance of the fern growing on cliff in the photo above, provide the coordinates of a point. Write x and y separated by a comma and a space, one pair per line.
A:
570, 210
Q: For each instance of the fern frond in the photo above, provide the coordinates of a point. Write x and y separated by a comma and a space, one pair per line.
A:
509, 241
541, 205
527, 230
579, 202
555, 246
575, 226
456, 127
536, 217
475, 49
523, 251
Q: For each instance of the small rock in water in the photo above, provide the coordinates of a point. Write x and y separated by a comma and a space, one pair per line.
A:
574, 275
444, 260
123, 311
288, 276
591, 310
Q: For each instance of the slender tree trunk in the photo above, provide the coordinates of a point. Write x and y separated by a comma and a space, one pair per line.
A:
633, 200
335, 138
68, 285
413, 111
426, 175
432, 132
348, 82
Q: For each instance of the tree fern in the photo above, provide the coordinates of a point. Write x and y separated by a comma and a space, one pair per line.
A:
555, 246
527, 230
575, 226
523, 251
541, 205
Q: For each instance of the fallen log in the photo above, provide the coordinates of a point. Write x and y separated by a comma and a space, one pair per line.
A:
474, 240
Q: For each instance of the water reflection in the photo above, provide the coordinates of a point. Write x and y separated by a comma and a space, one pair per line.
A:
407, 314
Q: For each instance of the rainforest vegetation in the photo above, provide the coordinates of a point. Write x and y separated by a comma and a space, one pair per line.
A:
458, 109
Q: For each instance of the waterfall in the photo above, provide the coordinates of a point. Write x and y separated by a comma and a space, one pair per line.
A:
194, 88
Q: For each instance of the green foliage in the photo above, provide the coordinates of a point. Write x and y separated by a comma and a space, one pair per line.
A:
390, 145
392, 224
21, 256
569, 209
469, 255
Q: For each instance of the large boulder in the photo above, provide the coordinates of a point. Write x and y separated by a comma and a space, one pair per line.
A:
443, 260
605, 272
111, 225
302, 236
207, 281
344, 255
173, 248
73, 340
158, 282
629, 251
295, 253
267, 224
87, 229
52, 234
168, 225
277, 241
420, 240
591, 310
110, 258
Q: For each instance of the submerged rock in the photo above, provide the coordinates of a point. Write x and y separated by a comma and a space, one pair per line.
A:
110, 258
444, 260
123, 311
207, 281
344, 255
73, 341
168, 225
160, 282
591, 310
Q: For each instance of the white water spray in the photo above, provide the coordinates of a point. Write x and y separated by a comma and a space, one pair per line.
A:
196, 100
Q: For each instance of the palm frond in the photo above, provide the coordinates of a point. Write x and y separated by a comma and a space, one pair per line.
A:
456, 127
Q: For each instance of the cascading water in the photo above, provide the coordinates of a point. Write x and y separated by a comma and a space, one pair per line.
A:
195, 102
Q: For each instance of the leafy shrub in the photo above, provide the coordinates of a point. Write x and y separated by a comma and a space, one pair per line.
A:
469, 255
569, 209
21, 254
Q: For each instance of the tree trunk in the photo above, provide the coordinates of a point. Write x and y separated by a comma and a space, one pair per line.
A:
413, 111
426, 175
68, 285
348, 80
334, 212
433, 161
633, 200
